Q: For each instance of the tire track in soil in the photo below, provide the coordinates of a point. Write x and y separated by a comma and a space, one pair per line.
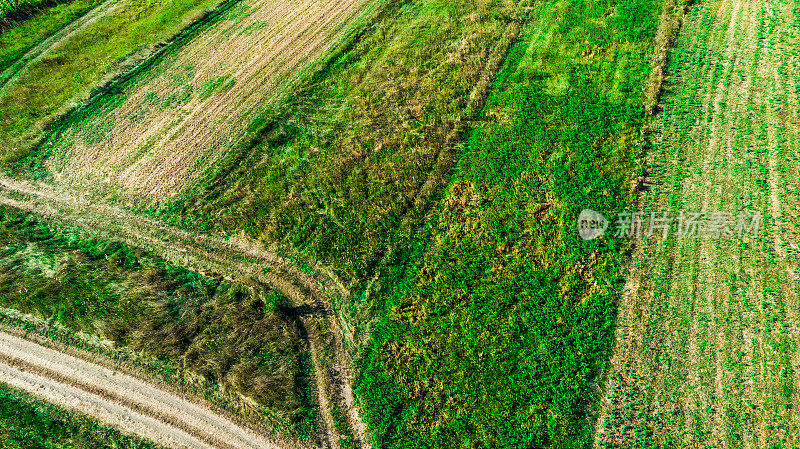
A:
140, 408
8, 76
234, 259
237, 258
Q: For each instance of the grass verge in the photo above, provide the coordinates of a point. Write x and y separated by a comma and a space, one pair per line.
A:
18, 37
111, 45
240, 337
27, 423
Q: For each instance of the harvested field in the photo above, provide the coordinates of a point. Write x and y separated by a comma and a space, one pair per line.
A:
117, 399
171, 124
708, 337
94, 50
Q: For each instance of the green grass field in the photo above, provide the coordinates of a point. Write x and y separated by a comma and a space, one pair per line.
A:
228, 334
18, 39
68, 74
497, 332
19, 7
435, 161
707, 341
495, 321
337, 169
27, 423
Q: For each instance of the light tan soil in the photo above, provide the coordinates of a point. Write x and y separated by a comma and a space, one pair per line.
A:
151, 147
117, 398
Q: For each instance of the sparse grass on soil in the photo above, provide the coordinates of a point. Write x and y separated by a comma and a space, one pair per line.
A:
169, 125
27, 423
70, 72
239, 337
707, 344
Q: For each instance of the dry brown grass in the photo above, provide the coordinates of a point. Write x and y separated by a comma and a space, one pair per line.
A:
235, 259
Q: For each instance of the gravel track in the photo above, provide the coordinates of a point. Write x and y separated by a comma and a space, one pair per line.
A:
118, 399
235, 259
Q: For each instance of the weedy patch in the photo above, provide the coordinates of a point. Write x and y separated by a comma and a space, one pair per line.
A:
237, 337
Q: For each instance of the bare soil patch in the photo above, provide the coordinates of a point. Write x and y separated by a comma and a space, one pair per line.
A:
196, 104
117, 398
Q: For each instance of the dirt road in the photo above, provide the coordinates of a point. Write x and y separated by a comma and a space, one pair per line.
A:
184, 113
708, 337
235, 259
119, 399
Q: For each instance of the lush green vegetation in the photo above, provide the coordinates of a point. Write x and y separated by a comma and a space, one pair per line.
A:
10, 9
244, 338
70, 72
17, 38
337, 169
496, 320
497, 325
27, 423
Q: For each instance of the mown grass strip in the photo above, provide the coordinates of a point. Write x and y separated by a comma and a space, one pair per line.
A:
17, 38
109, 47
498, 329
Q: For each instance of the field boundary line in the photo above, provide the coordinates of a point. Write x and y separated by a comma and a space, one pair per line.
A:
43, 48
236, 259
669, 25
